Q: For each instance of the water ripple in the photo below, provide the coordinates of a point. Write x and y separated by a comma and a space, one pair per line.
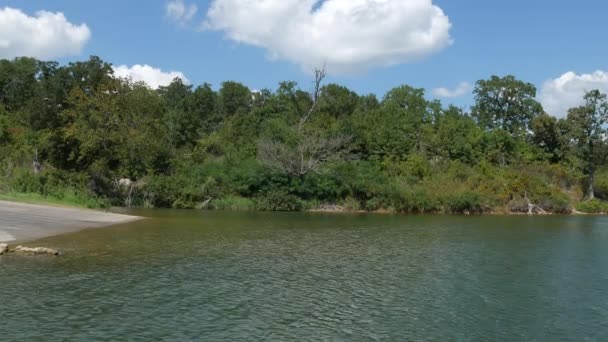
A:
314, 278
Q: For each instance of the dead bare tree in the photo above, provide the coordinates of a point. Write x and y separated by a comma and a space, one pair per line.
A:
533, 208
305, 152
307, 155
320, 75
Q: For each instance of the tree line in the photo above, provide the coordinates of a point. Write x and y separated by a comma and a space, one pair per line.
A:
77, 132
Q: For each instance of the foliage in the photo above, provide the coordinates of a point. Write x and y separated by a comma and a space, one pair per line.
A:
54, 186
278, 200
588, 130
594, 206
101, 140
505, 103
233, 203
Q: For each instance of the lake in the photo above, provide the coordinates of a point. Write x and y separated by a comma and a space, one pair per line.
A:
218, 276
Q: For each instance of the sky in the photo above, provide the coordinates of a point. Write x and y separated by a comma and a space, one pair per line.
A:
370, 46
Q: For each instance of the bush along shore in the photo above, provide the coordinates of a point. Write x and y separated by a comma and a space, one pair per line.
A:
76, 134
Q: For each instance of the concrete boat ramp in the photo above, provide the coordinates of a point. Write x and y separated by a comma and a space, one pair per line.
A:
25, 222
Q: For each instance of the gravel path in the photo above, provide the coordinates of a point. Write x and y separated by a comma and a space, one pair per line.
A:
23, 222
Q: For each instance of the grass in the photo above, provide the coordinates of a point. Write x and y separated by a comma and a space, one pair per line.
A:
233, 203
595, 206
67, 200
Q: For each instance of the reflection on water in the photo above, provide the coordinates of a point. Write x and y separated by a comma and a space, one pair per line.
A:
210, 276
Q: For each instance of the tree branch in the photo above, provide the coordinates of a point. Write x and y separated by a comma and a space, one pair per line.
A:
319, 76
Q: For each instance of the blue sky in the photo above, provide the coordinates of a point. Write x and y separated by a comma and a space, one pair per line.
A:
538, 41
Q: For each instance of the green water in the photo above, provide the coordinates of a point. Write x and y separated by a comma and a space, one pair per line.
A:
210, 276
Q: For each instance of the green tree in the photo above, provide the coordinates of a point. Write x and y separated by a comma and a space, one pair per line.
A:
51, 96
93, 126
337, 101
201, 106
234, 98
116, 129
186, 146
456, 137
146, 150
498, 146
175, 94
400, 126
89, 75
505, 103
291, 102
588, 130
548, 133
181, 126
18, 82
5, 136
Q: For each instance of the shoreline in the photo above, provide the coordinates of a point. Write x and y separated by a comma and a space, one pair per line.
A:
573, 212
24, 222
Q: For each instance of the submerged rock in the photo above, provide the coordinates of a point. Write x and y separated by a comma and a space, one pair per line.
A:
3, 248
34, 251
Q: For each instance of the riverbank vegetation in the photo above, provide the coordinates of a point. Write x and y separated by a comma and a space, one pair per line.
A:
77, 133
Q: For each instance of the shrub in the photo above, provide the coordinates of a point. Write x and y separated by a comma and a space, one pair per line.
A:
601, 185
418, 166
373, 204
351, 204
181, 203
324, 187
278, 200
410, 200
233, 203
464, 202
56, 185
593, 207
556, 202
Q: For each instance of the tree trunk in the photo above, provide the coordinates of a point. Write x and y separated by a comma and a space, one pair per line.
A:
36, 164
591, 190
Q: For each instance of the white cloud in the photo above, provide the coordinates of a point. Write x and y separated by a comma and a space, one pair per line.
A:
346, 35
153, 77
567, 91
179, 12
46, 35
462, 89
